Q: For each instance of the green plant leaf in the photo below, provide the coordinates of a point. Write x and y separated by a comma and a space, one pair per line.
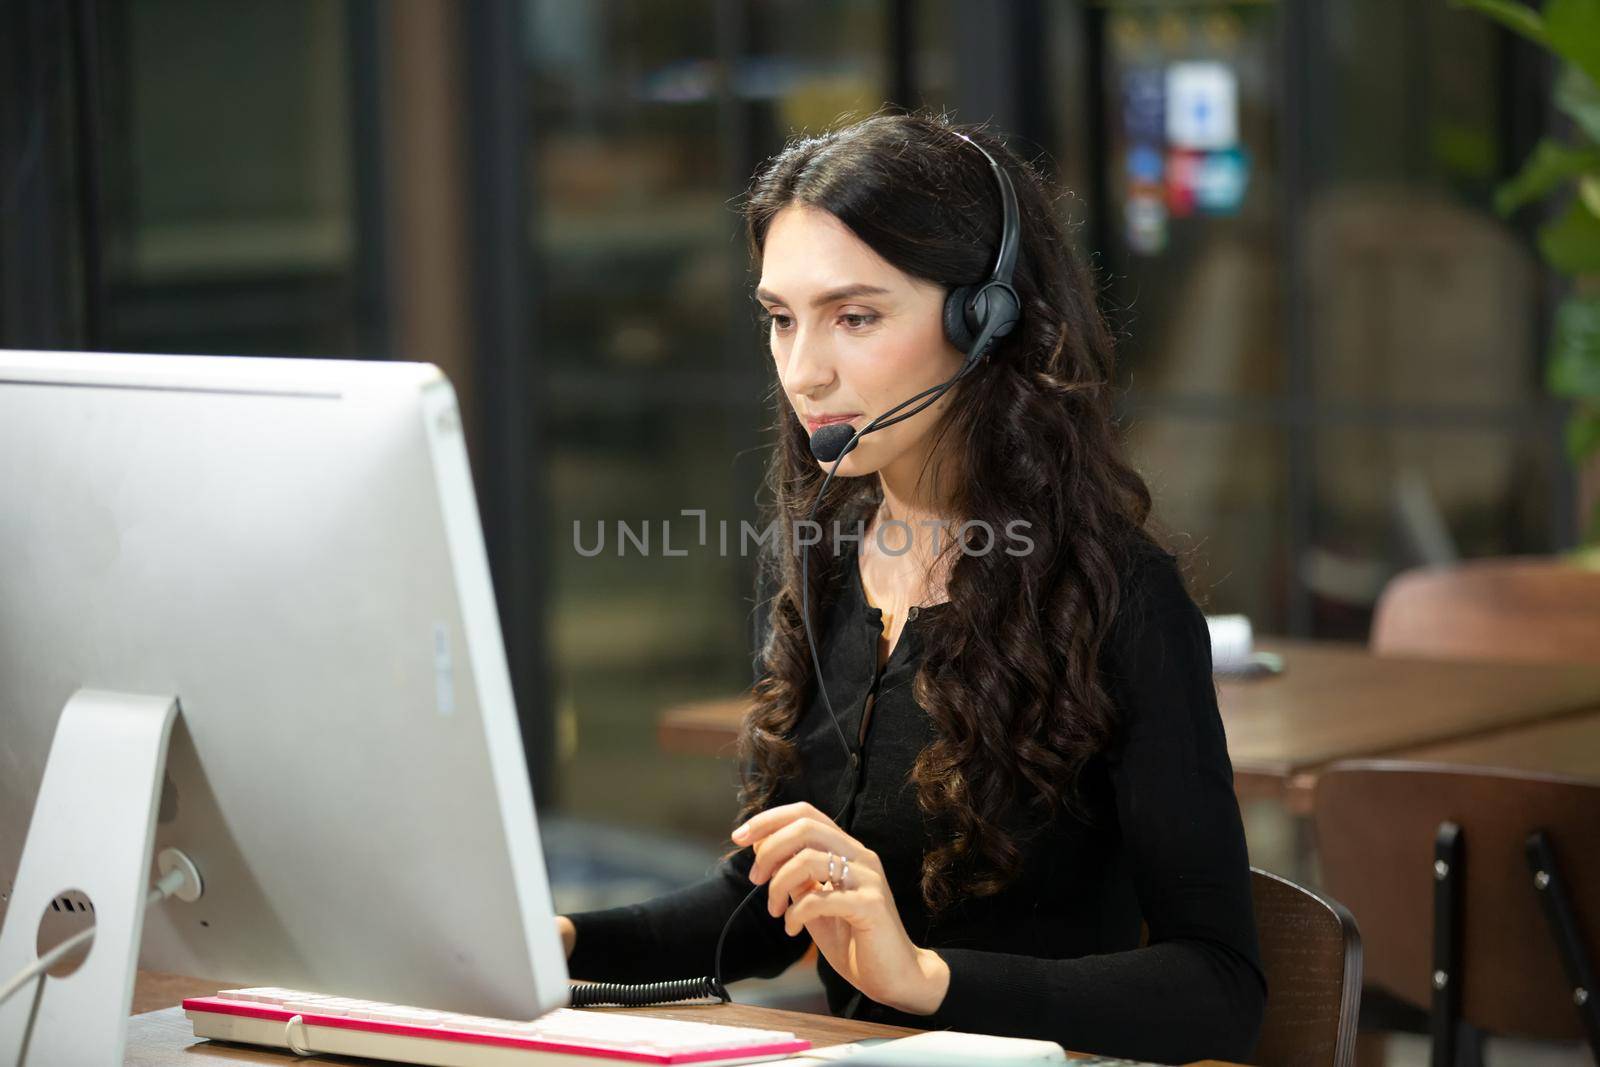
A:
1550, 164
1578, 96
1519, 18
1571, 244
1573, 29
1589, 191
1583, 435
1575, 350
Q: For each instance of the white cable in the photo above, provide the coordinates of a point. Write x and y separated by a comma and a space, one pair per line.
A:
170, 883
297, 1045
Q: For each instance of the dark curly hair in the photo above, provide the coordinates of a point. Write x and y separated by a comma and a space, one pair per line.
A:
1009, 675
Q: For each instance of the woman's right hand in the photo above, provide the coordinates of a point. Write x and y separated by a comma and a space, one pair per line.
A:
568, 932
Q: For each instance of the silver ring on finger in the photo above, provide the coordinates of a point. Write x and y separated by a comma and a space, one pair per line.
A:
844, 872
830, 869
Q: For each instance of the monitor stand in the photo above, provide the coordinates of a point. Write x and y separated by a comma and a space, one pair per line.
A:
93, 829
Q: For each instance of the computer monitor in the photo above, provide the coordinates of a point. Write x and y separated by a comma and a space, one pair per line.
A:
288, 552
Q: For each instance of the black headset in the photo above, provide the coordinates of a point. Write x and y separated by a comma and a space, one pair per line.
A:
970, 309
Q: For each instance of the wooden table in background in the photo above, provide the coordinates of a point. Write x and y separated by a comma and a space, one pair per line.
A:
159, 1034
703, 727
1569, 745
1339, 701
1333, 701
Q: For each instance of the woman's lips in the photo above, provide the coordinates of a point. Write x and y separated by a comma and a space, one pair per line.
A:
815, 424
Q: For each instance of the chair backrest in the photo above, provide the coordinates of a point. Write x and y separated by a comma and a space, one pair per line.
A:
1521, 609
1311, 952
1376, 824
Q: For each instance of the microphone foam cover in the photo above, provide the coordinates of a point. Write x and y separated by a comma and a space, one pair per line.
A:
831, 441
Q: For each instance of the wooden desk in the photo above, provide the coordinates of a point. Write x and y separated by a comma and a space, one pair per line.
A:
1338, 701
1333, 701
162, 1037
1568, 745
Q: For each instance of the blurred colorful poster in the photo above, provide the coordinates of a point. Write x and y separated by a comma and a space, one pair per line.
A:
1145, 165
1210, 183
1202, 105
1180, 144
1220, 179
1144, 105
1146, 216
1183, 175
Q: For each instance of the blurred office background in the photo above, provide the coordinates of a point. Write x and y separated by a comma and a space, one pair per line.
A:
1331, 343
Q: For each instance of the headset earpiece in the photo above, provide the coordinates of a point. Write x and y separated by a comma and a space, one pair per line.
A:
955, 318
991, 306
969, 307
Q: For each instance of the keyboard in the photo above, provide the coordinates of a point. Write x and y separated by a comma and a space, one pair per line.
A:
311, 1023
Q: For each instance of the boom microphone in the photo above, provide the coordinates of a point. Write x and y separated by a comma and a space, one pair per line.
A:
832, 441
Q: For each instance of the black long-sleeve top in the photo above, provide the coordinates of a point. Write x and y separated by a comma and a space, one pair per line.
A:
1057, 953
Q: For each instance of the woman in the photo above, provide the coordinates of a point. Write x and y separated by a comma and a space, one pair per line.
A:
1038, 764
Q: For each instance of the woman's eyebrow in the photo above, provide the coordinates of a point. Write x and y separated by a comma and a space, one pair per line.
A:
830, 297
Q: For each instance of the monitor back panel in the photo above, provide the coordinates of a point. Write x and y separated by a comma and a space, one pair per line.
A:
292, 549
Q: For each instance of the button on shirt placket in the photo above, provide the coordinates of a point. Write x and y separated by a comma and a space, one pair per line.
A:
857, 764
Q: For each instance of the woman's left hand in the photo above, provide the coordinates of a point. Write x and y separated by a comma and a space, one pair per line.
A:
855, 925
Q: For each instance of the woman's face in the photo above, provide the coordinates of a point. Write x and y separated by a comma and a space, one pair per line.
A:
852, 336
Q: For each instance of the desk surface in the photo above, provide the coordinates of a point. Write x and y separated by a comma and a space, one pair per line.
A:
1333, 701
1337, 701
1566, 745
162, 1036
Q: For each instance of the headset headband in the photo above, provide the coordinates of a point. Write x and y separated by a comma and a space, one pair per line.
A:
977, 315
1005, 260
